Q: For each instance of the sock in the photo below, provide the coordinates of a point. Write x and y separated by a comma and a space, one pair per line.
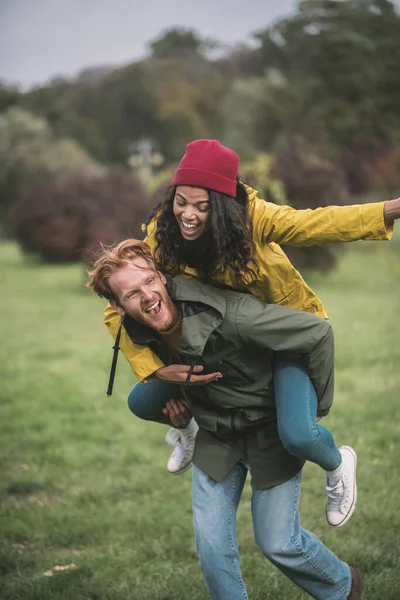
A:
334, 476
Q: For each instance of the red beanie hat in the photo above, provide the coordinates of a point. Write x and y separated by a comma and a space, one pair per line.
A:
208, 164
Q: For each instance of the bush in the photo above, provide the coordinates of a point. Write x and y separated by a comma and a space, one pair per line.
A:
361, 162
311, 185
257, 173
31, 155
65, 220
386, 173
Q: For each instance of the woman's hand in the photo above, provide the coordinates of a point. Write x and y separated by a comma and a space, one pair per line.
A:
178, 374
177, 412
392, 211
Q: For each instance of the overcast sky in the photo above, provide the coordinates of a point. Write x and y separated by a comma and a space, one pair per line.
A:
40, 39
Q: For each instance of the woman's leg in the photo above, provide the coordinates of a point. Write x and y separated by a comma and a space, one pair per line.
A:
214, 511
296, 405
298, 553
146, 401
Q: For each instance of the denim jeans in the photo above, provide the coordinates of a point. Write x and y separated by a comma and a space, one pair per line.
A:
296, 404
146, 400
296, 407
299, 554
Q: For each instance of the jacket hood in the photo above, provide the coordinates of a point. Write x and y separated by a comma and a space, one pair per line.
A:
203, 310
251, 193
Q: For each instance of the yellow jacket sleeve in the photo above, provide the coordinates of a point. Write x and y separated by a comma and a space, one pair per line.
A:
142, 359
327, 225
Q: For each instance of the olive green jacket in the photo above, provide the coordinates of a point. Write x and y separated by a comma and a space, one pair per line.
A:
238, 335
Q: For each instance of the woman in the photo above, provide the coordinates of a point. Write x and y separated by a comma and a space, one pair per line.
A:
213, 227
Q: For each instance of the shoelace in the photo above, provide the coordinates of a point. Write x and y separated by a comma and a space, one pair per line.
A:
335, 494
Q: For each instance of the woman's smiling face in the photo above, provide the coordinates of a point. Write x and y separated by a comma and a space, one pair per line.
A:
191, 209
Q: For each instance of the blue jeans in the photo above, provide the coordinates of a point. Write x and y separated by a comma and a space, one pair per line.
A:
299, 554
296, 404
296, 407
146, 400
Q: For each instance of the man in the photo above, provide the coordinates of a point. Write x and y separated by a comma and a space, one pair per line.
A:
233, 337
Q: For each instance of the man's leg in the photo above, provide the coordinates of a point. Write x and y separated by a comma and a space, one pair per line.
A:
298, 553
146, 401
214, 509
296, 405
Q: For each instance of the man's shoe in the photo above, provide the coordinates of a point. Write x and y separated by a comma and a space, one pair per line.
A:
183, 439
356, 584
342, 493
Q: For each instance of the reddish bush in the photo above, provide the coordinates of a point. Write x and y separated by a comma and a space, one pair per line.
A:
66, 219
386, 173
360, 164
311, 185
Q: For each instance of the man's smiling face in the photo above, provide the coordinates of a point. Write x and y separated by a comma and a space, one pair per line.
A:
142, 294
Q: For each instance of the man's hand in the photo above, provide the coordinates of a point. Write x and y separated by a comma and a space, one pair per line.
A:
178, 374
392, 211
178, 412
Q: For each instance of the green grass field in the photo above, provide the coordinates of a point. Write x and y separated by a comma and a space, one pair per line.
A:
83, 483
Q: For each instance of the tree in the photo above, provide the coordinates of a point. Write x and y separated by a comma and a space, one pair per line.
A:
188, 102
29, 153
21, 137
9, 96
241, 100
181, 43
351, 50
60, 103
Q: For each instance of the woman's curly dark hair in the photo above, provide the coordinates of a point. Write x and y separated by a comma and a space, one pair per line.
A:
226, 243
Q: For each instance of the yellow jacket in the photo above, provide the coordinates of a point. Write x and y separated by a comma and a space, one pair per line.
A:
278, 281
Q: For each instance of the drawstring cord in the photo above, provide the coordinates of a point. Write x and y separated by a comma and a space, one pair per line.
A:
190, 372
114, 363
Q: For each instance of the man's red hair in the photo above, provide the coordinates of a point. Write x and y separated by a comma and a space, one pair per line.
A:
112, 258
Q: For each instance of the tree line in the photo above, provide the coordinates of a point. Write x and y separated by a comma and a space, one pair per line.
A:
319, 90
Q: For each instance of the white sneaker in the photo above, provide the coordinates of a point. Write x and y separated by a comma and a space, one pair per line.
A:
183, 439
342, 494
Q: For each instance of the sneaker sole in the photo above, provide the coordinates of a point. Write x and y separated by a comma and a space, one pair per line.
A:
189, 466
357, 576
353, 505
